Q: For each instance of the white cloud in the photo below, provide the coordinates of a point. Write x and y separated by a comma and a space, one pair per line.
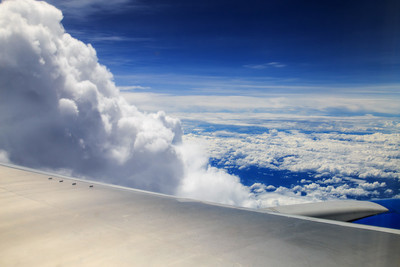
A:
211, 184
333, 180
4, 157
281, 196
63, 112
374, 185
328, 110
340, 155
68, 107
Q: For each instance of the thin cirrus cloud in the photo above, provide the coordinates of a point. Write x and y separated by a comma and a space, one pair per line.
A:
116, 38
106, 37
294, 104
133, 88
265, 65
81, 8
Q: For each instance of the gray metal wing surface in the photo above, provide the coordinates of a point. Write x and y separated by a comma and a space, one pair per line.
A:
70, 222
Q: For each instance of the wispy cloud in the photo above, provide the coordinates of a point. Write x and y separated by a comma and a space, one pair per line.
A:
284, 104
105, 37
115, 38
133, 88
79, 9
175, 84
265, 65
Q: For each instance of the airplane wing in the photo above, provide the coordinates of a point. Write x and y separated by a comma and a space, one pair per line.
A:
341, 210
58, 221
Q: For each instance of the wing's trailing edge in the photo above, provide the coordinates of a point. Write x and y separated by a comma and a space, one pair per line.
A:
46, 222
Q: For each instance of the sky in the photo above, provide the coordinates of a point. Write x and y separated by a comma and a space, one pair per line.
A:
249, 103
307, 57
278, 43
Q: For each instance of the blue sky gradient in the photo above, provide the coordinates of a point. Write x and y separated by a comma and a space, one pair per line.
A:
307, 43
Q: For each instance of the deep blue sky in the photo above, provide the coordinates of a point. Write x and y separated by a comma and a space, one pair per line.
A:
265, 42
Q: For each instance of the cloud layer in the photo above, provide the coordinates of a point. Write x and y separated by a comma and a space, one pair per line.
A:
337, 154
338, 165
273, 105
60, 110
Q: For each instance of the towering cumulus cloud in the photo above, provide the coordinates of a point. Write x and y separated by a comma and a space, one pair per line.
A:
60, 110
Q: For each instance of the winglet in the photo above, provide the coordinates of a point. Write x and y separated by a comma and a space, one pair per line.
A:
345, 210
